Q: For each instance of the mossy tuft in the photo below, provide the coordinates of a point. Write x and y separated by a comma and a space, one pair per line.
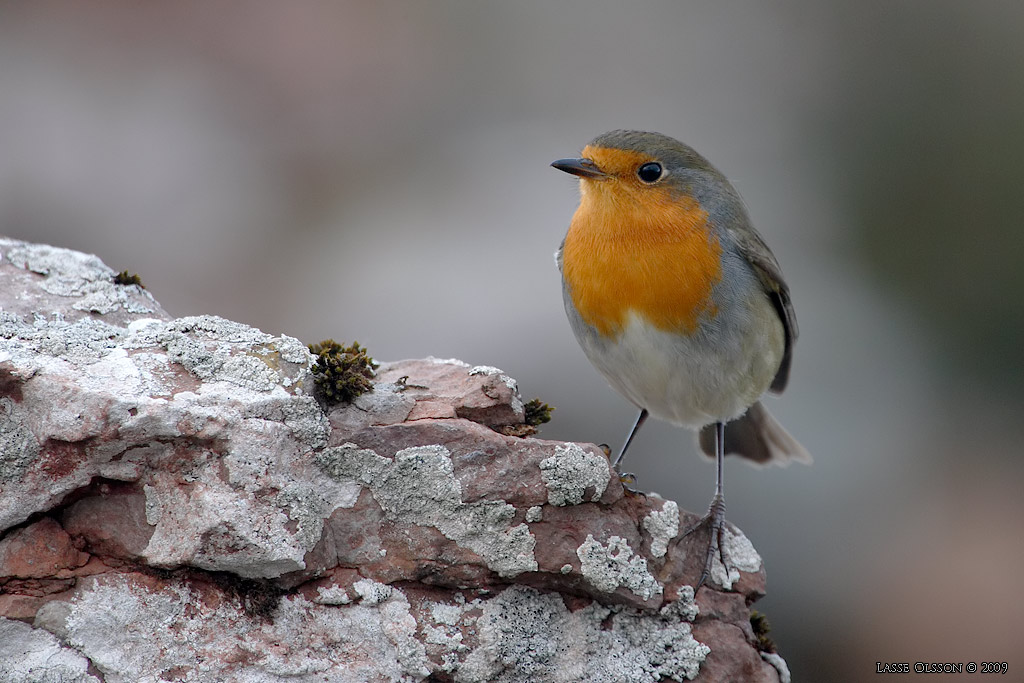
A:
126, 278
537, 413
759, 623
258, 597
341, 372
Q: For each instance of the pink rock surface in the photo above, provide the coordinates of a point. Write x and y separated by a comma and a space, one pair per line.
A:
39, 550
175, 504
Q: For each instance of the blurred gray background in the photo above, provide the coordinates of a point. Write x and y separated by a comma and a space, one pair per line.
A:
378, 171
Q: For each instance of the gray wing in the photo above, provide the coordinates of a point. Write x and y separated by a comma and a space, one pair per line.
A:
768, 271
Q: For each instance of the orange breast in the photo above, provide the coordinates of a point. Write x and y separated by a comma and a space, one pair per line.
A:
638, 249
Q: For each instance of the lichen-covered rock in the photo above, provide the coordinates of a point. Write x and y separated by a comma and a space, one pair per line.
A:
175, 504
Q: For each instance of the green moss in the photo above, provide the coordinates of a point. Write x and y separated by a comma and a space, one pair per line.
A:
125, 278
341, 372
759, 622
537, 413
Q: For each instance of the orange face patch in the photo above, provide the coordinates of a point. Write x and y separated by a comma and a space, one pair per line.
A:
620, 162
638, 248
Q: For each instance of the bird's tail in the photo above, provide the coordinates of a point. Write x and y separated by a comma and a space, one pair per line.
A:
757, 436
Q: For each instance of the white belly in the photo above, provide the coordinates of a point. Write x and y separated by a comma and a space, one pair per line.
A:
692, 381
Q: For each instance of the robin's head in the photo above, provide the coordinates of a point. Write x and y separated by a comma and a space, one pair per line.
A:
645, 239
629, 167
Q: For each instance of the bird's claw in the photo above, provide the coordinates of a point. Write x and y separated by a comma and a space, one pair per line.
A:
715, 518
628, 481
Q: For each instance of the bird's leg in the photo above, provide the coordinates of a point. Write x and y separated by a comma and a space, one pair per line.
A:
629, 478
715, 518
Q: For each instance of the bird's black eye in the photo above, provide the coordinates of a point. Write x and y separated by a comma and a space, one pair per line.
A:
649, 172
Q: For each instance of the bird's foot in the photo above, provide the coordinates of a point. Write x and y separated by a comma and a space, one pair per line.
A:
715, 518
628, 481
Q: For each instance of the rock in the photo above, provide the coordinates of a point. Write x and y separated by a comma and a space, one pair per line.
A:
451, 388
111, 521
33, 654
39, 550
175, 504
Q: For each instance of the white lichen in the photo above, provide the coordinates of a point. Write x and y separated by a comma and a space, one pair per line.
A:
332, 595
33, 654
372, 592
571, 471
528, 636
739, 553
663, 526
606, 567
419, 487
133, 633
780, 665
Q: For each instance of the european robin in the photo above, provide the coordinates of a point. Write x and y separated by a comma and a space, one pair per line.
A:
677, 300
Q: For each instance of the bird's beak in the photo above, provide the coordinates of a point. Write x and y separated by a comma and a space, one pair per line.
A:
584, 168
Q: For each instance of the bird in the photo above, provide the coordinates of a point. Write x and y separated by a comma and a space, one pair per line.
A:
678, 302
